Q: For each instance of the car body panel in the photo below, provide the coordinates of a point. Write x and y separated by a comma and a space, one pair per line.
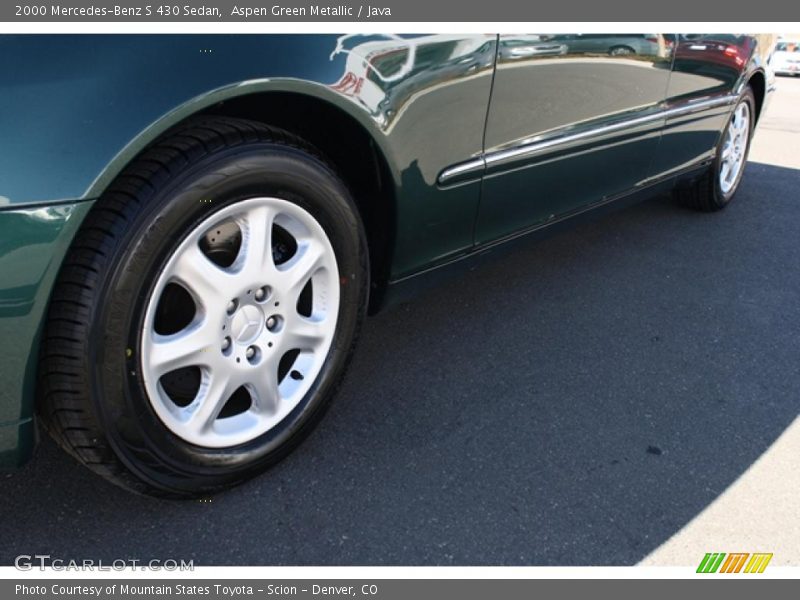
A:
33, 242
708, 72
426, 101
553, 116
646, 44
17, 442
93, 117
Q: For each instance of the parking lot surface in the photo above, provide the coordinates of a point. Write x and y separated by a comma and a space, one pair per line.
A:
760, 511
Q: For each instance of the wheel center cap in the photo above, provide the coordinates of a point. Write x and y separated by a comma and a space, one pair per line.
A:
246, 324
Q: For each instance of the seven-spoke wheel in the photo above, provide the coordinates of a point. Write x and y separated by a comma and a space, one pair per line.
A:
734, 147
250, 326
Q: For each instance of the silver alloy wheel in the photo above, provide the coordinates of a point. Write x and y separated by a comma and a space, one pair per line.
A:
246, 320
734, 149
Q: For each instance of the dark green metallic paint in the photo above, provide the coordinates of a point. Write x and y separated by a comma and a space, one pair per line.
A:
33, 242
574, 84
92, 114
76, 109
703, 70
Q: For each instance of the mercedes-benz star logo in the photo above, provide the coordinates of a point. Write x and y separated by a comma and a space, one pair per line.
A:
247, 324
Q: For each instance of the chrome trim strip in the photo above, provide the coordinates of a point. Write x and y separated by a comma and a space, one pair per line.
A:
701, 105
531, 149
462, 170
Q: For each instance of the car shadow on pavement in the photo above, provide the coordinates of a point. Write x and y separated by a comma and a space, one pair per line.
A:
577, 401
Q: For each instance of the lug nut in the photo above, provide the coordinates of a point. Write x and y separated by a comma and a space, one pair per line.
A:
250, 352
226, 343
232, 306
262, 293
274, 323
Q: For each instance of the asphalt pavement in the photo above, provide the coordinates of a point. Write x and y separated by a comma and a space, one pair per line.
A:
580, 401
760, 511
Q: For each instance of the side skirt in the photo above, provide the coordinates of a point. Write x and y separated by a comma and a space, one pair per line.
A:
402, 290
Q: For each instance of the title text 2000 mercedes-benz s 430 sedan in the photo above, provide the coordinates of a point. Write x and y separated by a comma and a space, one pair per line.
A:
193, 228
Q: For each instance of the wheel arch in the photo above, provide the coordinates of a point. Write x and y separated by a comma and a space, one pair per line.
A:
758, 83
336, 125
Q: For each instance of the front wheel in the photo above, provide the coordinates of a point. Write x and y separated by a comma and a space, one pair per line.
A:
207, 311
715, 189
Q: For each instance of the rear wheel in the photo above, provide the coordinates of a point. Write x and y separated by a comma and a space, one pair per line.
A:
621, 51
715, 189
206, 312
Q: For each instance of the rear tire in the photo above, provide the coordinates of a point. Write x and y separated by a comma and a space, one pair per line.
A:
621, 51
104, 395
712, 191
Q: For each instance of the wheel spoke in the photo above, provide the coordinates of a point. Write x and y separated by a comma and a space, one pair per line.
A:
256, 251
300, 268
193, 347
264, 388
724, 172
734, 170
741, 120
214, 392
203, 278
305, 334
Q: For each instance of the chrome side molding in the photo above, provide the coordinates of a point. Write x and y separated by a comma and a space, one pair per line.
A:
474, 167
462, 171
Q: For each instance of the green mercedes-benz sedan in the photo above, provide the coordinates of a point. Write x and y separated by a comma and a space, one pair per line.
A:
193, 228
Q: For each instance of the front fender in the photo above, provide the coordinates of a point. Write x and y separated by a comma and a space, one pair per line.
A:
229, 92
75, 109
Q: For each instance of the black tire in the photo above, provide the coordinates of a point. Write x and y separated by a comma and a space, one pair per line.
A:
704, 193
92, 398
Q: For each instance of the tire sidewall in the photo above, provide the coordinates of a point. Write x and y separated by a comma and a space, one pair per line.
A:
139, 437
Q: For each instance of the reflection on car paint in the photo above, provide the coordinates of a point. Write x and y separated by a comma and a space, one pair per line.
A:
384, 72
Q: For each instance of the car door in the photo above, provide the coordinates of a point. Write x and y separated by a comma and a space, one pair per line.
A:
570, 124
